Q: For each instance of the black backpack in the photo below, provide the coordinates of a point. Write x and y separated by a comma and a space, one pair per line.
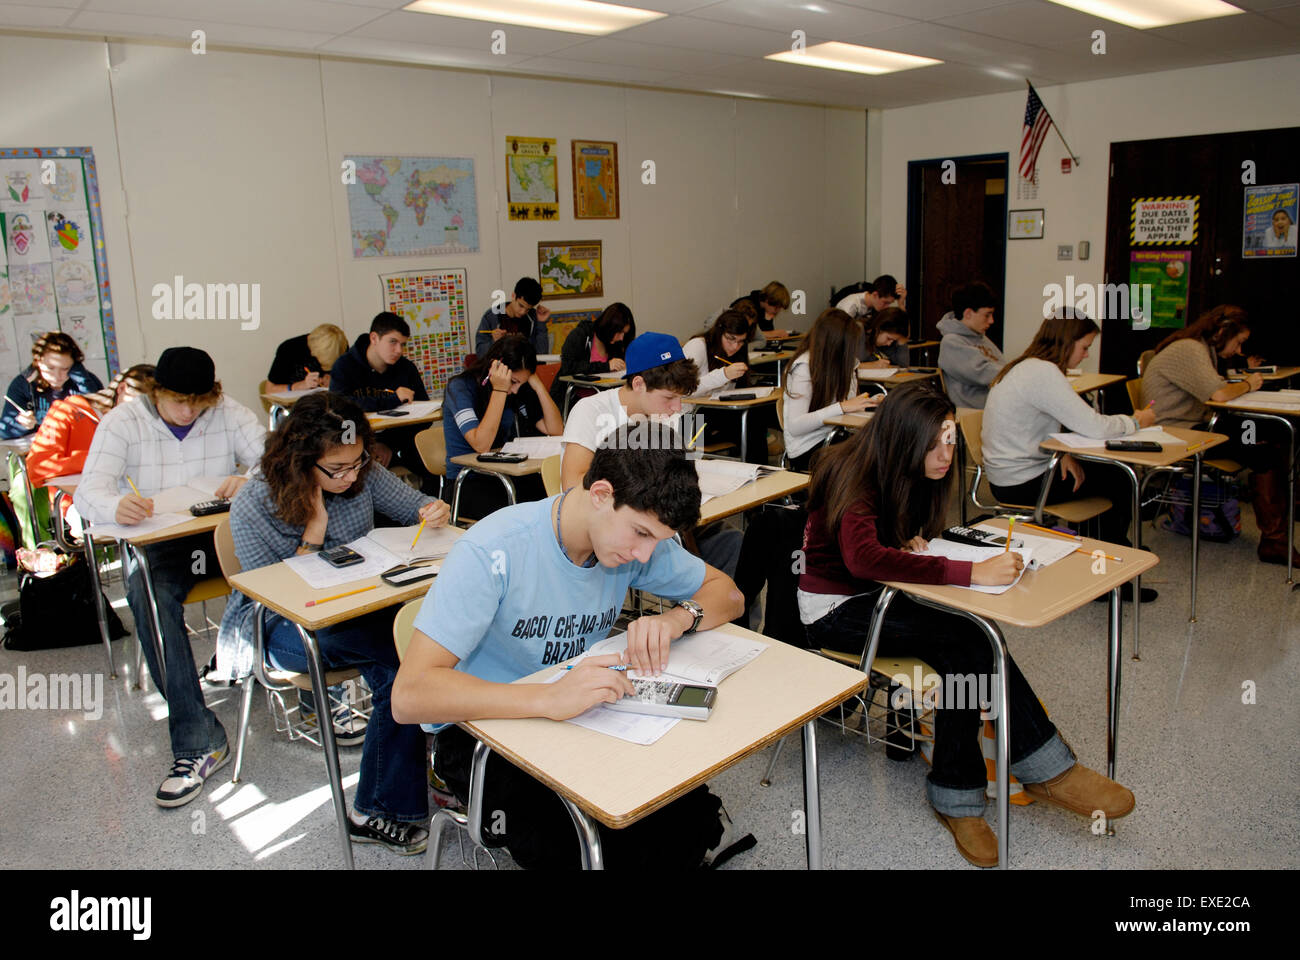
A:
56, 610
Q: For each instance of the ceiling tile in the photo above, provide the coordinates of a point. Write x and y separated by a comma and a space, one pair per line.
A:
422, 53
925, 9
695, 34
123, 24
1033, 22
653, 56
820, 18
469, 34
1290, 16
945, 43
293, 15
743, 88
1247, 35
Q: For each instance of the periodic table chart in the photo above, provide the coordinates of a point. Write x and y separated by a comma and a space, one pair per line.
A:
433, 303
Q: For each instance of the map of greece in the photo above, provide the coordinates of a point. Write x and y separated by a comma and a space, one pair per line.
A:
412, 206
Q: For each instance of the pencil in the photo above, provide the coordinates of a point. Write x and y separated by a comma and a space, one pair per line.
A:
133, 487
417, 533
1034, 526
1011, 528
1106, 555
15, 405
1196, 446
337, 596
696, 437
725, 360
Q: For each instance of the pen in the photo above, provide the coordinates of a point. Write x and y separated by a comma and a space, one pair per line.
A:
418, 532
1011, 527
620, 667
312, 603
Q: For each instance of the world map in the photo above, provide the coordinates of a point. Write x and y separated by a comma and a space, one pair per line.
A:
411, 206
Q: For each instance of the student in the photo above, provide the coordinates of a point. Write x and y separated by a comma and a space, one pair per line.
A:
378, 376
595, 346
769, 302
875, 501
969, 359
1181, 377
524, 314
885, 339
568, 559
183, 429
317, 488
304, 362
721, 353
746, 307
884, 291
55, 372
1030, 399
498, 397
821, 382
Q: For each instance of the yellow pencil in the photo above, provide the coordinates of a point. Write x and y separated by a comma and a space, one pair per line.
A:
417, 533
1106, 555
133, 488
1197, 446
696, 437
1011, 528
337, 596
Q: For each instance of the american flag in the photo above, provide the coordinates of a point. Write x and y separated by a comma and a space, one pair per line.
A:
1037, 122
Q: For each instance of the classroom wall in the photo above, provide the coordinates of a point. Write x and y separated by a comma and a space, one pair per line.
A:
1213, 99
225, 168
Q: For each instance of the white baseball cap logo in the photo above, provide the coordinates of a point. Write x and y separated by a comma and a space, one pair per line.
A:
665, 355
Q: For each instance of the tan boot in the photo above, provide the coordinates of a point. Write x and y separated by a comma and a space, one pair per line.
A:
1084, 792
1269, 494
974, 837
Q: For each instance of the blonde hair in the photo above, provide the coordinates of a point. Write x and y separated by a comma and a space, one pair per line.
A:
327, 343
201, 401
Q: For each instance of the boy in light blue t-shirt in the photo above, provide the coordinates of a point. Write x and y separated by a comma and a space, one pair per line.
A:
538, 583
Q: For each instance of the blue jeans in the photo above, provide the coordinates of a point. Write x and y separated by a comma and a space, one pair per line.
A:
195, 730
393, 783
951, 644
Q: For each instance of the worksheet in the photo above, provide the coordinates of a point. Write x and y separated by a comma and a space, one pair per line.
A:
964, 551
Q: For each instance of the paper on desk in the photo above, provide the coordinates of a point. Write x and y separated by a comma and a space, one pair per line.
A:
642, 728
1042, 551
876, 373
758, 393
180, 499
1282, 399
965, 551
318, 574
1079, 441
535, 447
434, 543
416, 408
707, 657
159, 521
292, 394
720, 477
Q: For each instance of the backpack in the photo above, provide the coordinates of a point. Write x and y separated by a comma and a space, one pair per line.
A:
1220, 511
56, 606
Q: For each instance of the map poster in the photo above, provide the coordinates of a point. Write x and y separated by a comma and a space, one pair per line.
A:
531, 178
595, 180
1167, 272
561, 323
1163, 221
570, 270
1268, 220
411, 206
434, 304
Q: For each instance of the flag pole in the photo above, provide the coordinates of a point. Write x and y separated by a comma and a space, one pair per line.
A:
1057, 128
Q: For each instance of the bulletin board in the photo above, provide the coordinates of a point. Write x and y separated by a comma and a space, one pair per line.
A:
53, 265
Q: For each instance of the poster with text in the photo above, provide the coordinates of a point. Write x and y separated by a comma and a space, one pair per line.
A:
595, 180
1163, 221
1166, 273
531, 182
1268, 227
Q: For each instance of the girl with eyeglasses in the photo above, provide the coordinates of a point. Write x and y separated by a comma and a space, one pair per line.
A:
318, 487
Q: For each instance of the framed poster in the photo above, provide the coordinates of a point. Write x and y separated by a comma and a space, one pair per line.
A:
595, 180
561, 324
1163, 221
1268, 227
1025, 224
570, 269
1161, 276
412, 206
433, 303
530, 178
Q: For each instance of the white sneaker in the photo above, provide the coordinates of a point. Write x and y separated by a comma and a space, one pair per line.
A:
185, 782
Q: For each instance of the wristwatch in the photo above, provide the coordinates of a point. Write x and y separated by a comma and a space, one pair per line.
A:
695, 610
313, 547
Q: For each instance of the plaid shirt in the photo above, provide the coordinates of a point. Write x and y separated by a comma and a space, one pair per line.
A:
262, 538
134, 441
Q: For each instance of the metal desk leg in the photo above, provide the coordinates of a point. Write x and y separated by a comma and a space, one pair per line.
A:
744, 434
278, 413
325, 723
460, 478
1114, 665
88, 544
1196, 536
588, 837
568, 399
1137, 545
812, 800
143, 562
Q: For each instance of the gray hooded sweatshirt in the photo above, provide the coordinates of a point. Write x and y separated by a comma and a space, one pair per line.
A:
969, 362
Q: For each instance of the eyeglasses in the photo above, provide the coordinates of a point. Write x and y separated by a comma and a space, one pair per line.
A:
356, 468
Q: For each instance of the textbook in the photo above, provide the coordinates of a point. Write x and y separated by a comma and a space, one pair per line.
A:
876, 373
535, 447
720, 477
434, 543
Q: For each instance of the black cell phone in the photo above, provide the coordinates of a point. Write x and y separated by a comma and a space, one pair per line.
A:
394, 413
739, 396
207, 507
502, 457
341, 557
1134, 446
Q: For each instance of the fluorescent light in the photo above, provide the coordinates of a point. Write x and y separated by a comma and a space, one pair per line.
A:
571, 16
851, 57
1145, 14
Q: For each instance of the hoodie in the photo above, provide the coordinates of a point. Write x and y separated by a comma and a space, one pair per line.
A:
969, 362
354, 377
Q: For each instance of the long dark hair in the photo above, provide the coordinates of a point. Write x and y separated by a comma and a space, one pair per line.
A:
1214, 328
317, 422
888, 320
886, 459
514, 351
1055, 340
54, 342
832, 348
612, 321
734, 323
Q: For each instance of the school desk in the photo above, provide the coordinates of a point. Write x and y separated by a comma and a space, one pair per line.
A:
850, 421
276, 587
1040, 598
768, 487
504, 472
898, 379
1128, 460
1286, 414
759, 358
379, 422
602, 778
1093, 383
604, 383
744, 406
1282, 373
927, 352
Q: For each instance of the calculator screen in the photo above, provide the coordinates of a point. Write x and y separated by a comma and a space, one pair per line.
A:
692, 696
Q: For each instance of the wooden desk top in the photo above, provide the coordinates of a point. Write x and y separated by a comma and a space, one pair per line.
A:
618, 782
898, 379
18, 444
850, 421
283, 591
772, 397
1044, 595
751, 495
530, 466
1088, 382
1282, 373
68, 484
186, 529
922, 344
1172, 453
290, 397
1278, 409
768, 356
379, 422
602, 384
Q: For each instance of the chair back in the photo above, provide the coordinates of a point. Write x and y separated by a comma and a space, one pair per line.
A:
432, 444
551, 475
971, 422
1135, 393
1143, 359
224, 541
261, 389
404, 625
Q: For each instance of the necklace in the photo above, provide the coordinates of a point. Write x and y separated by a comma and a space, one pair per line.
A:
559, 507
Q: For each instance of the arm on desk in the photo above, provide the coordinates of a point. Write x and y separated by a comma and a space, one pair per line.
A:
649, 638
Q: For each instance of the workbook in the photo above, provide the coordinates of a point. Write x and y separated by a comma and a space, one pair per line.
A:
1154, 434
964, 551
876, 373
434, 543
720, 477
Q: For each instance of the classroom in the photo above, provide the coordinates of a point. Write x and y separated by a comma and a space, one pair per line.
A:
982, 237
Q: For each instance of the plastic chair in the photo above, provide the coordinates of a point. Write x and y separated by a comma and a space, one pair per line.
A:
261, 389
551, 475
1143, 359
432, 445
1135, 392
471, 821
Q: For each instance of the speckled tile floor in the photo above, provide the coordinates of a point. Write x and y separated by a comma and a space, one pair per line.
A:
1215, 778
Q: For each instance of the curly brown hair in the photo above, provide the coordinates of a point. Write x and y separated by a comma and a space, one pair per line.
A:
318, 422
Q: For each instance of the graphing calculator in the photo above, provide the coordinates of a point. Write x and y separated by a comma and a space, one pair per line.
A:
221, 505
341, 556
980, 538
667, 698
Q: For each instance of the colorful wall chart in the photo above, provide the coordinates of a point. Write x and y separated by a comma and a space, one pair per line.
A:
434, 303
412, 206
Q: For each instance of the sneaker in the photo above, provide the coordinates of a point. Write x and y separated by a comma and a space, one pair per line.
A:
405, 839
185, 782
728, 845
349, 728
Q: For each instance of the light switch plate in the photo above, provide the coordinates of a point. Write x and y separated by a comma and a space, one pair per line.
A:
1065, 251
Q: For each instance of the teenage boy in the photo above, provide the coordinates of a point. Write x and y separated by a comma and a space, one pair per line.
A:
181, 429
769, 302
884, 291
658, 376
969, 360
523, 314
378, 376
537, 583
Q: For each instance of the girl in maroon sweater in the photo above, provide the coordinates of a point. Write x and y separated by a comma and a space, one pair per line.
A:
874, 503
